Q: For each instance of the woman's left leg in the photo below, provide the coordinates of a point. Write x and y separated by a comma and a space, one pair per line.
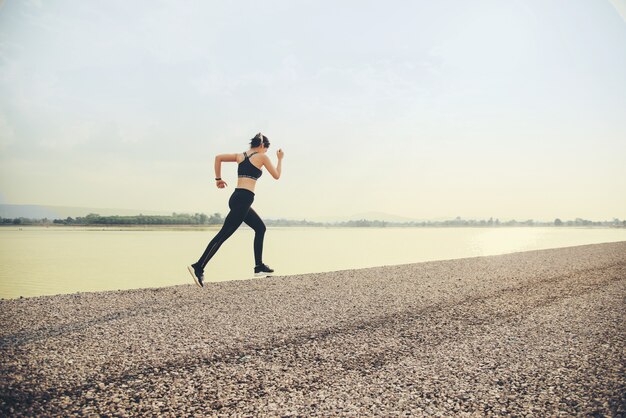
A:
254, 221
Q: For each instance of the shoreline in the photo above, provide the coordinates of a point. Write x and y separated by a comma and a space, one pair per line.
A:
79, 292
538, 332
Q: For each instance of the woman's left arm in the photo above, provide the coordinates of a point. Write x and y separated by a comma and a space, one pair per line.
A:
218, 167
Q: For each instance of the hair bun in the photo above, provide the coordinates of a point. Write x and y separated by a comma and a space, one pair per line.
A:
257, 140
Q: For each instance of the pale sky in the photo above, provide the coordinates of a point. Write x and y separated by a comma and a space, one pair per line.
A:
422, 109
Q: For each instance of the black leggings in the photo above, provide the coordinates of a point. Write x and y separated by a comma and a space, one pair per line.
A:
240, 211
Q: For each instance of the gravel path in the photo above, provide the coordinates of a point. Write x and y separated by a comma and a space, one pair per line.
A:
535, 333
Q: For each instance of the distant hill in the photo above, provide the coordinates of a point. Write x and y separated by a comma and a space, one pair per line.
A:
62, 212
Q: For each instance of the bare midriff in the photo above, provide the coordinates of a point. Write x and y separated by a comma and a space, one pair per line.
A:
246, 183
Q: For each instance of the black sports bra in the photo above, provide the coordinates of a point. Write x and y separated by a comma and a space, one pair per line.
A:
247, 169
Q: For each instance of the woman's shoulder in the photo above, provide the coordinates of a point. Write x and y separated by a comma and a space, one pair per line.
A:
255, 155
239, 157
263, 157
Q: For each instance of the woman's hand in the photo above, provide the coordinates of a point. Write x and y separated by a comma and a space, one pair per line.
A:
220, 184
280, 154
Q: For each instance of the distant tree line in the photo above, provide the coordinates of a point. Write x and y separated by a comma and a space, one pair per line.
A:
95, 219
216, 219
24, 221
457, 222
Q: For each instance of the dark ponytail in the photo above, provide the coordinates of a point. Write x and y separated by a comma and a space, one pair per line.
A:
258, 138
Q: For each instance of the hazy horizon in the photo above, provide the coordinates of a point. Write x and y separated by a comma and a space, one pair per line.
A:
503, 109
38, 212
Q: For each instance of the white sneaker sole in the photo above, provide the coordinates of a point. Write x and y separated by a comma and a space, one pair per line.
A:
193, 274
263, 274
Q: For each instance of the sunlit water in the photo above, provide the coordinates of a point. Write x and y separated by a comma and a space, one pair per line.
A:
41, 261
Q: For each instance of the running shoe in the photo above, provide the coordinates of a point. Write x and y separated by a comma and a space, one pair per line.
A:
197, 274
262, 270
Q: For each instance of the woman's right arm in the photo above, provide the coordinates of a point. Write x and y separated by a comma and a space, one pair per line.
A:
275, 171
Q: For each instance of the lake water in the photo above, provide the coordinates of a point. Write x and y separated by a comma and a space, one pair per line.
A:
43, 261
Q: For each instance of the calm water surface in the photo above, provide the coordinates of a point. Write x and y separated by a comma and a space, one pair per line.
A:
43, 261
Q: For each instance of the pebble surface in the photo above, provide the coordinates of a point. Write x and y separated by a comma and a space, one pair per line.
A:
539, 333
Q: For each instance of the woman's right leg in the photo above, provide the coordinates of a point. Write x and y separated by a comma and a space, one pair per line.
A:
255, 222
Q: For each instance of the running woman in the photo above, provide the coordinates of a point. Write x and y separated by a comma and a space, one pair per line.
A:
249, 170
